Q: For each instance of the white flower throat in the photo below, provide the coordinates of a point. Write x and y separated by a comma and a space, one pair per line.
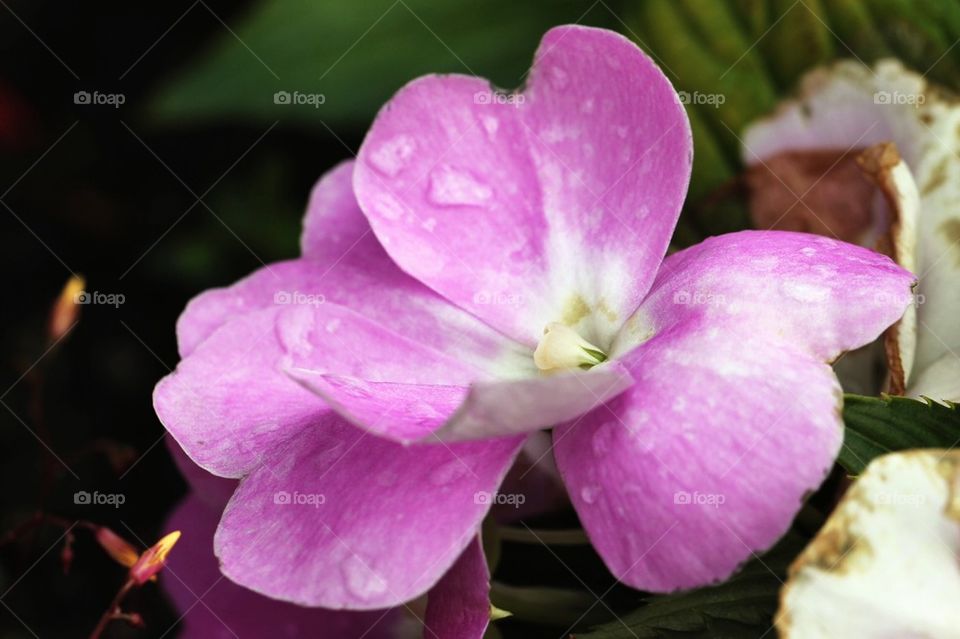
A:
562, 348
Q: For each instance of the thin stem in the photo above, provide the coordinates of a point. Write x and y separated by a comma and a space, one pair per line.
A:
113, 610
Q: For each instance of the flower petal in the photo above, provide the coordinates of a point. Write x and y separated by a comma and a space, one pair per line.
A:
212, 490
849, 105
334, 227
343, 264
885, 563
524, 209
227, 404
705, 460
823, 295
342, 519
229, 400
458, 607
216, 608
681, 477
408, 412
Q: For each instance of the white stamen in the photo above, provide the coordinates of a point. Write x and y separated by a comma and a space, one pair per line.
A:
561, 347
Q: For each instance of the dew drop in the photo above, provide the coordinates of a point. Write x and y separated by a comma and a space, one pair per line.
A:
589, 494
558, 77
362, 581
603, 439
455, 187
490, 125
391, 156
449, 472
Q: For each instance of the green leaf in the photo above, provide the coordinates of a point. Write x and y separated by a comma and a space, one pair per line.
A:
753, 52
875, 426
357, 54
742, 607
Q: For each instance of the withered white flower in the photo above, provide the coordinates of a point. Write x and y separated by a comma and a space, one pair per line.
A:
886, 563
806, 147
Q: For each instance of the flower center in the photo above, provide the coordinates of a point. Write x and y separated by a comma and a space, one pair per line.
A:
562, 348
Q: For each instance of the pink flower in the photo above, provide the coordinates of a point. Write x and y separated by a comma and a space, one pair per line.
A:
209, 606
372, 394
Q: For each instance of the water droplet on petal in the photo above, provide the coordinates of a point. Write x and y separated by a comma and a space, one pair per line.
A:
589, 494
603, 439
808, 251
362, 581
490, 124
391, 156
449, 472
456, 187
558, 77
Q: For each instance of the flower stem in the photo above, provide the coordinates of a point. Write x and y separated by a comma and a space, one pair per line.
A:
113, 610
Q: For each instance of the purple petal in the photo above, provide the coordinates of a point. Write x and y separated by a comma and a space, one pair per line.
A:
229, 401
407, 412
527, 209
824, 295
342, 519
214, 607
227, 404
735, 416
212, 490
343, 264
458, 607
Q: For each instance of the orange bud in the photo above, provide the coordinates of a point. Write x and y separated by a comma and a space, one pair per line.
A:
117, 547
66, 310
153, 559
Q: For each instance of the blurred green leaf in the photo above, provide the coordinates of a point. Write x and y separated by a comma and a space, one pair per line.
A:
742, 607
357, 54
875, 426
753, 52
